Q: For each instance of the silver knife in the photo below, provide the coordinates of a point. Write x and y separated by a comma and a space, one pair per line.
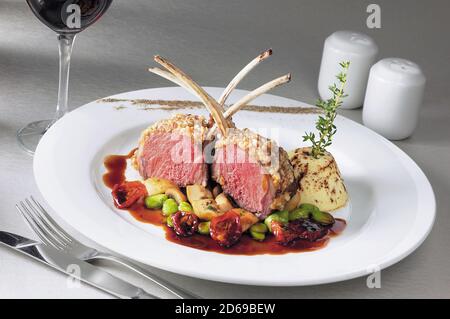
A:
63, 262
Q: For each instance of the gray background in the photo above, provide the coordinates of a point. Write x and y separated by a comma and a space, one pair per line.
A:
212, 39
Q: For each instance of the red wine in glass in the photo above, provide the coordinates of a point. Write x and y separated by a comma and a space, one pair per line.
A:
67, 18
60, 15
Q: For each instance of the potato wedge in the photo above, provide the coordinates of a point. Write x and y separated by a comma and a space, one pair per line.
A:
158, 185
205, 209
198, 192
223, 202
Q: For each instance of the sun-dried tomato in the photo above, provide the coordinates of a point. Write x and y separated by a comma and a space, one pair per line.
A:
226, 229
283, 235
185, 223
298, 229
127, 193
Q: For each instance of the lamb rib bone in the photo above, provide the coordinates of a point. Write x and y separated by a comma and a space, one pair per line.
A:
169, 76
238, 78
211, 104
251, 96
255, 93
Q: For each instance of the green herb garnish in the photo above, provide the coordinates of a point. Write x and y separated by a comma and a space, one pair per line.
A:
325, 123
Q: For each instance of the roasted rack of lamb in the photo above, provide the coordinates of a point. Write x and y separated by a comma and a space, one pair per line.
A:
253, 170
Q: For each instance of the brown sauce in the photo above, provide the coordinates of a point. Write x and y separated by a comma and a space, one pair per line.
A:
116, 166
144, 215
248, 246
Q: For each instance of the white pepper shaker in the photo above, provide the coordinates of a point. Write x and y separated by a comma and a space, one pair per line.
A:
393, 98
358, 48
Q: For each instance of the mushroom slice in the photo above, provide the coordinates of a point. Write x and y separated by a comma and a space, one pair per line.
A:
206, 209
247, 219
197, 192
223, 202
156, 185
293, 202
176, 194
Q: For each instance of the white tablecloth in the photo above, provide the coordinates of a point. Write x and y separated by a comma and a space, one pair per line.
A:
212, 40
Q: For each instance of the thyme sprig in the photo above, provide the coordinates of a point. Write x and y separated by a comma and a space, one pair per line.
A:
325, 123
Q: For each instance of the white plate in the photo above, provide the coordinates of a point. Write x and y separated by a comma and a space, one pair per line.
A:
391, 211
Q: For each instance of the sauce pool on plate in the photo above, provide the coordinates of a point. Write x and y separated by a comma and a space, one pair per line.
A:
116, 166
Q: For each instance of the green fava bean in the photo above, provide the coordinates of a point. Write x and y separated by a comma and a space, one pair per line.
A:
169, 221
259, 228
155, 201
323, 217
203, 228
309, 207
304, 211
299, 213
284, 216
281, 217
185, 207
257, 236
170, 207
269, 219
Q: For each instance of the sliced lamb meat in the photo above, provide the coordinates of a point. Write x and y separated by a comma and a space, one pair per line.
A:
254, 171
173, 149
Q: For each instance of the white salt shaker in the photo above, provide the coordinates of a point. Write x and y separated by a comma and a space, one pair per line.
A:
393, 98
358, 48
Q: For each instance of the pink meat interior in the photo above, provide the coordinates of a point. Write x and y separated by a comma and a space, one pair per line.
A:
174, 157
243, 179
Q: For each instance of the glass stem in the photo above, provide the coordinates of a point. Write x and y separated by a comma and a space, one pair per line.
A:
65, 52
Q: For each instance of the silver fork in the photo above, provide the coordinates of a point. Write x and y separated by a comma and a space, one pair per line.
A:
51, 234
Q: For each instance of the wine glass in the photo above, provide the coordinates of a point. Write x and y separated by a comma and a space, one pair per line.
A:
67, 18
